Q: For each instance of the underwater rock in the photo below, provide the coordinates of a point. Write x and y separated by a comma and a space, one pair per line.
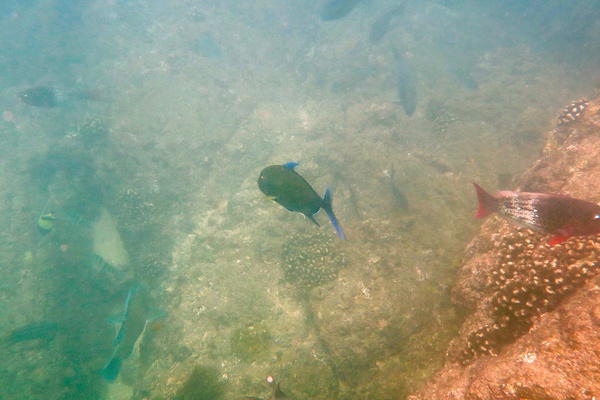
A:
530, 279
251, 342
134, 211
203, 383
86, 135
534, 328
442, 122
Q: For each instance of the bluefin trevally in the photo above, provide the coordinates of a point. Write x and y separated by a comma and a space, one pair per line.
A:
285, 186
137, 312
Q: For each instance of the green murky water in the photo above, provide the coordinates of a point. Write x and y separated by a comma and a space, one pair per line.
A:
154, 181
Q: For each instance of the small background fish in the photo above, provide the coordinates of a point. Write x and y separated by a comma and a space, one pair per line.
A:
399, 200
50, 96
382, 24
45, 330
336, 9
405, 84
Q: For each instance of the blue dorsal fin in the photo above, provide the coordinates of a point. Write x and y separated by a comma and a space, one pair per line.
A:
291, 165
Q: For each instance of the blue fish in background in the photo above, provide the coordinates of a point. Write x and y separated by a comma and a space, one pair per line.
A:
464, 77
133, 322
405, 84
51, 97
336, 9
45, 330
382, 24
285, 186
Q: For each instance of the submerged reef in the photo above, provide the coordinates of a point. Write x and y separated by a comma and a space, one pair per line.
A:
535, 309
89, 133
530, 279
311, 260
250, 342
203, 384
572, 112
134, 211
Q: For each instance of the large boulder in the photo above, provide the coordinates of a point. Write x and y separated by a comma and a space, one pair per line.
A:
534, 327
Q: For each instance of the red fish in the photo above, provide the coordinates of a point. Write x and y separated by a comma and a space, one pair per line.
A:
560, 216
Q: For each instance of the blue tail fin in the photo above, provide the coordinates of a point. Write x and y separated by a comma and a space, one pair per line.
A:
329, 210
112, 369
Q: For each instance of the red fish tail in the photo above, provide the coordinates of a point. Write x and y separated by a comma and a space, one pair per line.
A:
487, 202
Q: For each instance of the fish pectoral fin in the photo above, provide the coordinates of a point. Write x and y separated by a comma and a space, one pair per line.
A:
156, 313
116, 319
119, 337
312, 218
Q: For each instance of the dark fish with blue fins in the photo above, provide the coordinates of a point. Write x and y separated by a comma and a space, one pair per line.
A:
560, 216
336, 9
133, 322
286, 187
405, 84
382, 23
51, 97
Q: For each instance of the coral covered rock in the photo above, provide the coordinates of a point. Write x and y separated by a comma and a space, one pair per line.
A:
533, 332
311, 260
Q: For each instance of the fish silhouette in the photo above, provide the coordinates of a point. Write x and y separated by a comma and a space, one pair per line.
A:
559, 216
286, 187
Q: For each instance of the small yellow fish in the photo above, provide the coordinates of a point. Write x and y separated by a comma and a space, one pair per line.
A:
46, 223
46, 220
